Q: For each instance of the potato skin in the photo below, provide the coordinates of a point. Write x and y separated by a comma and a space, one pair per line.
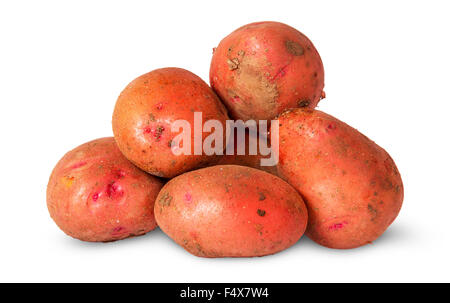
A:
95, 194
351, 186
231, 211
263, 68
145, 111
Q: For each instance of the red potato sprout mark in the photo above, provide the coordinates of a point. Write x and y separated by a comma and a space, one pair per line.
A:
159, 106
120, 174
95, 196
156, 132
118, 231
114, 190
337, 226
188, 197
78, 165
331, 126
281, 73
235, 99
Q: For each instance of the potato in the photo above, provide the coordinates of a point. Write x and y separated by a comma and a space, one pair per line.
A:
96, 194
247, 159
351, 186
146, 110
231, 211
263, 68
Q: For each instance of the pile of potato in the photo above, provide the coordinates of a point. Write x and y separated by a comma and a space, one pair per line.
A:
331, 182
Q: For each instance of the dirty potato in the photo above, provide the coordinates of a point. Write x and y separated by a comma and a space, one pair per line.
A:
146, 111
96, 194
263, 68
231, 211
351, 186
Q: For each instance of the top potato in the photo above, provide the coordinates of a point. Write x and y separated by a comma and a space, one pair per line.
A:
263, 68
146, 110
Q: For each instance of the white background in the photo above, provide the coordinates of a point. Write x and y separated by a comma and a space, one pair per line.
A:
63, 64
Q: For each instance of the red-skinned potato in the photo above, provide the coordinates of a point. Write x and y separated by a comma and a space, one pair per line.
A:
263, 68
351, 186
95, 194
147, 108
231, 211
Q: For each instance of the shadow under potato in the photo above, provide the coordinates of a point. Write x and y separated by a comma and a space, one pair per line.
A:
156, 234
393, 234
